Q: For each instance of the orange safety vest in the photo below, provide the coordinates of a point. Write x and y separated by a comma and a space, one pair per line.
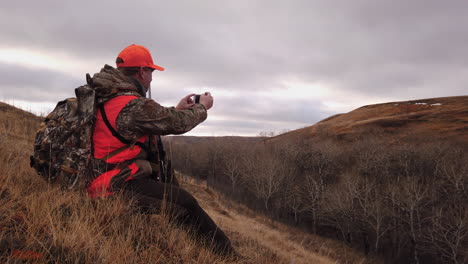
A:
104, 143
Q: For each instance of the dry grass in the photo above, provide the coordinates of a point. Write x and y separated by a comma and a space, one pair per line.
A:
40, 223
444, 117
254, 235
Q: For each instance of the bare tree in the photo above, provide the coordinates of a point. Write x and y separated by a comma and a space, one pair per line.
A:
315, 162
313, 188
372, 206
453, 168
267, 173
216, 154
295, 201
449, 232
266, 134
340, 209
411, 197
232, 161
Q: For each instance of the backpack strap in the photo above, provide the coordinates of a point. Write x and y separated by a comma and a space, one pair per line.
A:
118, 136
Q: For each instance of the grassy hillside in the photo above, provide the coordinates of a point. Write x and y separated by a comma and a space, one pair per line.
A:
43, 224
442, 118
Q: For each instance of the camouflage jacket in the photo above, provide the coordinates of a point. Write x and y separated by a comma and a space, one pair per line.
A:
143, 116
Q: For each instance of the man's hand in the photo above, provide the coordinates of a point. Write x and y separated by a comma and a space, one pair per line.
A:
186, 102
207, 100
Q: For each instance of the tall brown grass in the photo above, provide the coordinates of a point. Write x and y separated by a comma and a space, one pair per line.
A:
42, 223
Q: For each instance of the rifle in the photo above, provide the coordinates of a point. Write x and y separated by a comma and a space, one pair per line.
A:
160, 159
165, 172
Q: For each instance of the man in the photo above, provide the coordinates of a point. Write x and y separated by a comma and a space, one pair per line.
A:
123, 139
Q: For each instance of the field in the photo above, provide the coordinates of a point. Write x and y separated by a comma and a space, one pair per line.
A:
40, 223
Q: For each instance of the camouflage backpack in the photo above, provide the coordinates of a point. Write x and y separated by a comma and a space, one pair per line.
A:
63, 144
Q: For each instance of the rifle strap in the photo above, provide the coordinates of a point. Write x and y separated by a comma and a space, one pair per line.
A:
161, 152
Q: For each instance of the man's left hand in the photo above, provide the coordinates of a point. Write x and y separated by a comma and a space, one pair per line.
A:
185, 103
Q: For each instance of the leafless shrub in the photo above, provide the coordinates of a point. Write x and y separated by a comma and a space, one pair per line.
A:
380, 193
448, 232
270, 172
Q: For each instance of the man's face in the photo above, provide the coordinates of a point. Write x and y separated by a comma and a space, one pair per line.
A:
147, 77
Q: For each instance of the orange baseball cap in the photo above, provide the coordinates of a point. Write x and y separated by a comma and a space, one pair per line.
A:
136, 56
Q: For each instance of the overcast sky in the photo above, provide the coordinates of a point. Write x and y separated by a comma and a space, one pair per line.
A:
270, 65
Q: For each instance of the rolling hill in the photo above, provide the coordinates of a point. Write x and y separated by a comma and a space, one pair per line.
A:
445, 117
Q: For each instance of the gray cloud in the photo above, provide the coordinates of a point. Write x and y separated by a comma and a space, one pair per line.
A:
17, 82
241, 127
266, 110
386, 49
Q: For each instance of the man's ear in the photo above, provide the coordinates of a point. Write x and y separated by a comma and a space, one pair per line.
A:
141, 72
139, 75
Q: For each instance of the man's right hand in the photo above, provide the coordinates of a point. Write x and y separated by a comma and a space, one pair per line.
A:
207, 100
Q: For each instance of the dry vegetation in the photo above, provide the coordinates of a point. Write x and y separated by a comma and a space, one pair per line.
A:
40, 223
405, 202
445, 117
398, 194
